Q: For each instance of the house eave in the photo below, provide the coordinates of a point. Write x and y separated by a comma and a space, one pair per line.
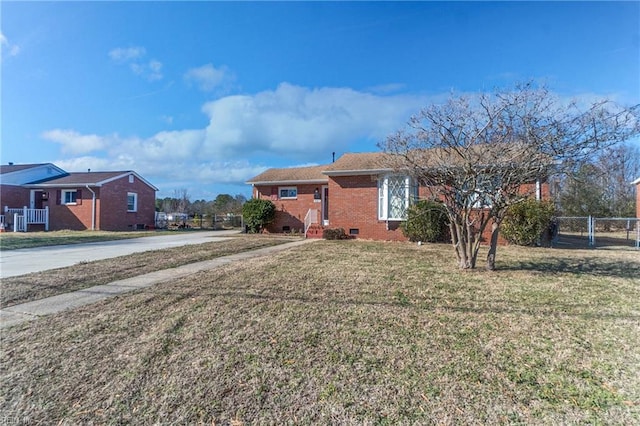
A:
62, 185
636, 182
365, 172
288, 182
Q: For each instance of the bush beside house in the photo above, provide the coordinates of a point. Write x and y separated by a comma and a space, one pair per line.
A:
528, 222
257, 214
426, 221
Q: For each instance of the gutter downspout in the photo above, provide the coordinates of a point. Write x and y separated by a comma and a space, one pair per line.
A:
93, 209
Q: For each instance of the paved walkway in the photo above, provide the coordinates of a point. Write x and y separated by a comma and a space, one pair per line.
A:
26, 261
18, 314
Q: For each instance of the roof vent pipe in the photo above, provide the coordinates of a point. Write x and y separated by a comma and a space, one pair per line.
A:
333, 157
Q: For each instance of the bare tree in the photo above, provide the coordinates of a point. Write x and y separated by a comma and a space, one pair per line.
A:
601, 187
183, 200
479, 155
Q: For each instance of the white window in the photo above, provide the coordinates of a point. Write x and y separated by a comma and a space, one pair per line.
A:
288, 192
132, 202
130, 178
69, 197
480, 192
395, 195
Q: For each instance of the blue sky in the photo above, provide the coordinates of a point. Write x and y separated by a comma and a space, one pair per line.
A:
204, 95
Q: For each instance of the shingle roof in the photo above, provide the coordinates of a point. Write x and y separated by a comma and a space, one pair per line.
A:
10, 168
359, 163
348, 164
291, 175
88, 178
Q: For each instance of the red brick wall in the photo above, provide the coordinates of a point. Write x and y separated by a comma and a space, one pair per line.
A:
74, 217
292, 212
14, 197
353, 204
111, 207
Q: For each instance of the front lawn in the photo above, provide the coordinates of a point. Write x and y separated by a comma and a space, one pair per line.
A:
39, 285
346, 332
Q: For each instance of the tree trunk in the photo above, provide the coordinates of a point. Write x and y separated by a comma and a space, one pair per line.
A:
463, 246
493, 246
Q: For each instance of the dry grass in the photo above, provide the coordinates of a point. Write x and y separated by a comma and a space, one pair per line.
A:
38, 285
346, 332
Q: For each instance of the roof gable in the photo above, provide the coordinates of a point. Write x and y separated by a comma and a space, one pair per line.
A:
21, 174
10, 168
90, 179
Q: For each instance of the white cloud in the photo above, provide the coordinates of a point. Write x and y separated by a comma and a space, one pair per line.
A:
296, 123
10, 48
208, 78
155, 70
75, 143
299, 120
125, 54
151, 70
96, 164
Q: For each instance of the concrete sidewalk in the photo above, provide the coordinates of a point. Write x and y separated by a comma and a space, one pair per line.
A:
18, 314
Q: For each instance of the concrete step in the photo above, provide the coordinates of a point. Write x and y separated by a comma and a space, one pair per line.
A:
314, 231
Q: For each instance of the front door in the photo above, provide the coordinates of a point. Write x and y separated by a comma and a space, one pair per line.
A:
325, 205
35, 199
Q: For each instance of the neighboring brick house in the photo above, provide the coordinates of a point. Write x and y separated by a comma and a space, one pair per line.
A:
637, 184
110, 201
356, 193
14, 176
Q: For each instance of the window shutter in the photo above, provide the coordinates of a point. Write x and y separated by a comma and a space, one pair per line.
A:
58, 196
79, 197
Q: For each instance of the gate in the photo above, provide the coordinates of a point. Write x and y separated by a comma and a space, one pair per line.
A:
599, 232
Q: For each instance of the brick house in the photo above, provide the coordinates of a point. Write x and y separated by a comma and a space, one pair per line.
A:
14, 176
356, 192
110, 201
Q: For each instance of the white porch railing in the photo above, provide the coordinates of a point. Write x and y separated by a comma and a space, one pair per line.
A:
24, 217
309, 219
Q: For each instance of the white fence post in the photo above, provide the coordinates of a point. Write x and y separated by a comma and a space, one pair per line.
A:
46, 218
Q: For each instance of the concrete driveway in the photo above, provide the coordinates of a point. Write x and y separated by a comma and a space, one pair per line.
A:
25, 261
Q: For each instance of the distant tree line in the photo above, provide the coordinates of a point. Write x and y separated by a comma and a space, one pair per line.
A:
601, 186
181, 203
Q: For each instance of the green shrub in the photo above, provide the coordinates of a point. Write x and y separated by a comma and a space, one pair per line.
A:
334, 234
528, 222
426, 221
257, 214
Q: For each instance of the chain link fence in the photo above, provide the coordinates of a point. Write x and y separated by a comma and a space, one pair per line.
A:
598, 232
184, 221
